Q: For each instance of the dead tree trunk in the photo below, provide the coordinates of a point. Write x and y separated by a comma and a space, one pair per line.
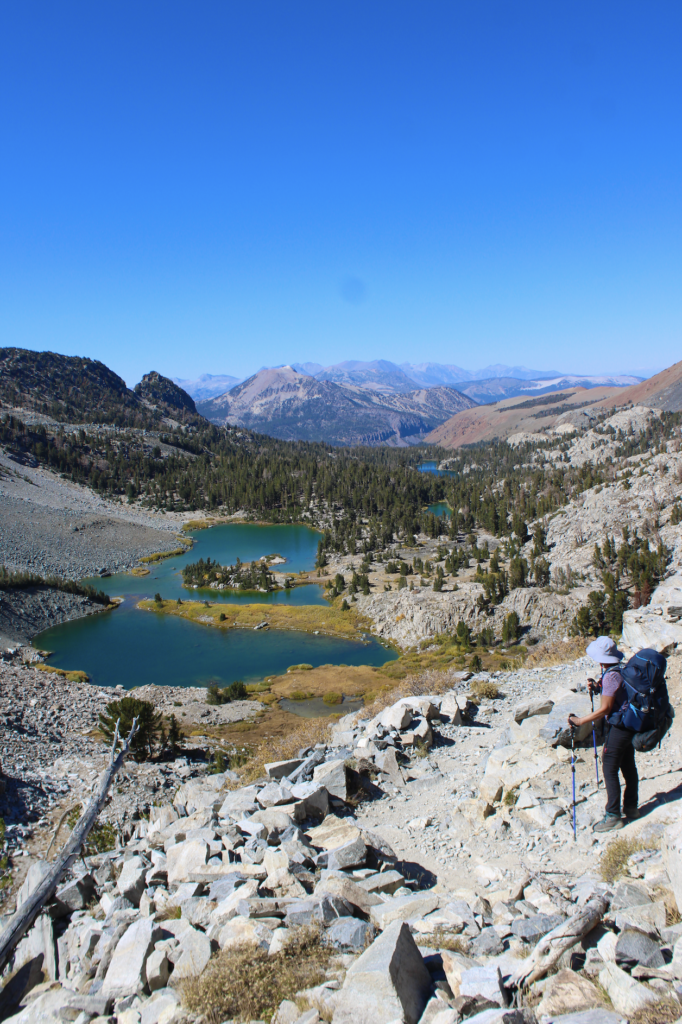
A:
27, 913
554, 943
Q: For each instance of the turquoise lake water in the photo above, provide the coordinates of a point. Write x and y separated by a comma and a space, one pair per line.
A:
432, 467
134, 647
440, 508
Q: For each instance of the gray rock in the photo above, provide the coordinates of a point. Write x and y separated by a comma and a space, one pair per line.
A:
403, 908
349, 933
132, 882
76, 895
350, 855
333, 776
195, 952
240, 802
648, 917
628, 894
627, 995
487, 943
635, 947
312, 800
158, 969
223, 887
152, 1009
280, 769
387, 762
273, 795
384, 881
127, 975
597, 1016
97, 1005
530, 929
388, 981
529, 708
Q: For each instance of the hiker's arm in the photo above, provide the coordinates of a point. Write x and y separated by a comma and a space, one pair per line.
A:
605, 708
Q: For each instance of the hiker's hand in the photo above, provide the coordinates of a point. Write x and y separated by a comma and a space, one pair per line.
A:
573, 721
592, 685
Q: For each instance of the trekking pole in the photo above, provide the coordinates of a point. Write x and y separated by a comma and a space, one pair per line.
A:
575, 834
594, 742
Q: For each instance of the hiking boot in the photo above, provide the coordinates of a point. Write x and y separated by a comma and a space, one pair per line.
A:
631, 813
608, 823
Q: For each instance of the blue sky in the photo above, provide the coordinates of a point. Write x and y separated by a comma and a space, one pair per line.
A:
212, 187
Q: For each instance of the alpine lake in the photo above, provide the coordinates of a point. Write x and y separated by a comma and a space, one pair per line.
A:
134, 647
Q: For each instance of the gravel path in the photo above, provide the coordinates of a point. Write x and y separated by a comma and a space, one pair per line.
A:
52, 526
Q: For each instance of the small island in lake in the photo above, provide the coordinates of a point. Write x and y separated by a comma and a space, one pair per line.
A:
254, 575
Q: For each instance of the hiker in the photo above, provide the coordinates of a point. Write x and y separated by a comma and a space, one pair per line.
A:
618, 753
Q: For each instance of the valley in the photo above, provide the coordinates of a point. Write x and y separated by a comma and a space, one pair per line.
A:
407, 619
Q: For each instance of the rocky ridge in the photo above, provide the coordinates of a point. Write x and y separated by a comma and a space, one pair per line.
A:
437, 883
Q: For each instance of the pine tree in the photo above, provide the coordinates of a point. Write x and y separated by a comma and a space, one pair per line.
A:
148, 724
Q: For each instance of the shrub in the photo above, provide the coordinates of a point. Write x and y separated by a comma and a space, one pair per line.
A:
303, 667
219, 763
483, 689
476, 664
244, 983
221, 617
158, 598
148, 724
345, 607
333, 698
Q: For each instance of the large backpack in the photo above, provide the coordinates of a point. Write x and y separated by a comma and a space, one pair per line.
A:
648, 712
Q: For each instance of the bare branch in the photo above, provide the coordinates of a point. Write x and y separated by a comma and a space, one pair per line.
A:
26, 914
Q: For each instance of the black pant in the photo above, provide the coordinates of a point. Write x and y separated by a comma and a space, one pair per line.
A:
618, 754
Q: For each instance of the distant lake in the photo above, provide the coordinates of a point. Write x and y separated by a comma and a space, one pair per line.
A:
432, 467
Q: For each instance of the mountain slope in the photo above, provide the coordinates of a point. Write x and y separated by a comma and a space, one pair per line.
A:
663, 391
68, 388
573, 407
293, 406
71, 389
165, 396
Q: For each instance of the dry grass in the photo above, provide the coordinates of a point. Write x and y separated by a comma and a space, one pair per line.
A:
442, 939
664, 1012
169, 913
557, 652
75, 676
616, 855
244, 983
306, 618
159, 555
304, 732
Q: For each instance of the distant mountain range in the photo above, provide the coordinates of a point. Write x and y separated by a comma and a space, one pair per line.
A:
491, 384
571, 407
207, 385
285, 403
